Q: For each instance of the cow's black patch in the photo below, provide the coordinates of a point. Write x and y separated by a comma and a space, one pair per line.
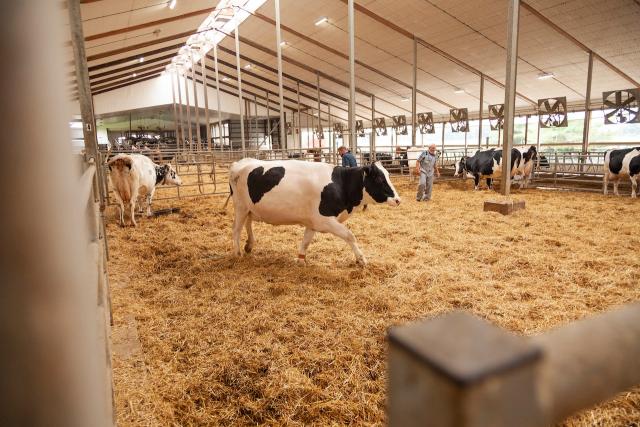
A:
260, 182
345, 191
616, 158
531, 154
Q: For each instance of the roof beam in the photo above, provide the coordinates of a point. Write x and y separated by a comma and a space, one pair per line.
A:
210, 78
148, 24
155, 67
344, 56
429, 46
578, 43
288, 76
310, 69
164, 60
274, 83
138, 46
174, 47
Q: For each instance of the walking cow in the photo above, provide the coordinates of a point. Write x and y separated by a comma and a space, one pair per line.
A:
488, 164
131, 173
318, 196
619, 163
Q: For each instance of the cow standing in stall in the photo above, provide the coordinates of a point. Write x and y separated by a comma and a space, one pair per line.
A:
132, 175
618, 163
319, 196
488, 164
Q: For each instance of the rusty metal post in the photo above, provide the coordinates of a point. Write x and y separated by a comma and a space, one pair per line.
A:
459, 370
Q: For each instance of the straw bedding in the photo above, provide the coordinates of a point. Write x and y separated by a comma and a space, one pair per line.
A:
261, 340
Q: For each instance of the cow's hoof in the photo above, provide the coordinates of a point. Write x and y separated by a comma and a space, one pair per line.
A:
361, 261
248, 248
301, 260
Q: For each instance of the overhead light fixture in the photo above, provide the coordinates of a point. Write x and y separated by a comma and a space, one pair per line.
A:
322, 20
172, 4
283, 43
134, 75
459, 91
545, 76
225, 79
247, 66
141, 59
405, 98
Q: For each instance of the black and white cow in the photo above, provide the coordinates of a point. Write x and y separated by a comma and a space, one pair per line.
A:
488, 164
617, 163
318, 196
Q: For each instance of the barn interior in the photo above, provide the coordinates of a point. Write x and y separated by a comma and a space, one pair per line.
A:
190, 335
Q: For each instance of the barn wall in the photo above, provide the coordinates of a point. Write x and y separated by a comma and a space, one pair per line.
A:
156, 92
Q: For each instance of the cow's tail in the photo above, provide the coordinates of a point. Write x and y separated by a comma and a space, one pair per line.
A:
120, 167
234, 174
228, 197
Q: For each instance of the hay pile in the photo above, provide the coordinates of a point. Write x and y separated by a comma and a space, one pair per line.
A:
262, 340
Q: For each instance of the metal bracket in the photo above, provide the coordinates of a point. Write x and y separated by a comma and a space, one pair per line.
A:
425, 122
496, 116
625, 106
552, 112
459, 119
338, 129
319, 132
400, 124
380, 126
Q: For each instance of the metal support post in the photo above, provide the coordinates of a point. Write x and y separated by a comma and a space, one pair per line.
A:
299, 117
587, 107
175, 108
215, 66
181, 138
268, 122
414, 88
206, 102
283, 133
195, 102
353, 139
330, 132
240, 100
319, 111
372, 141
481, 109
510, 92
189, 127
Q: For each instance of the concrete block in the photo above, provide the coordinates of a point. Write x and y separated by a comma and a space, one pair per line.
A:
505, 207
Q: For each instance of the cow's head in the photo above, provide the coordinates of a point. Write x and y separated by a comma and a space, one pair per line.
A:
378, 186
461, 166
531, 154
169, 175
